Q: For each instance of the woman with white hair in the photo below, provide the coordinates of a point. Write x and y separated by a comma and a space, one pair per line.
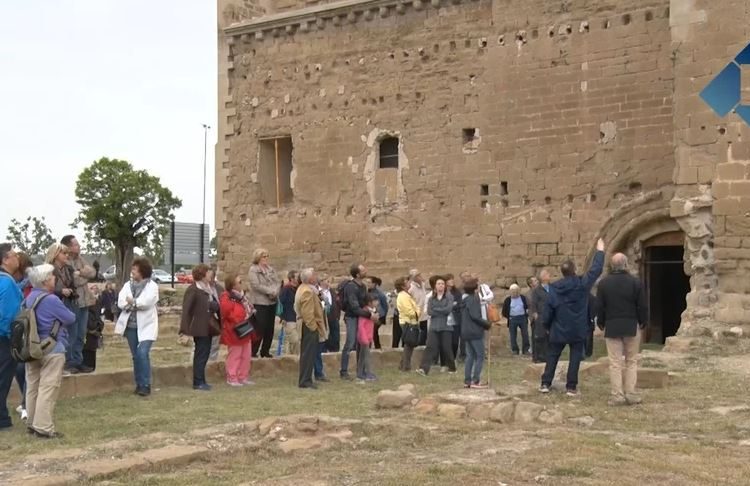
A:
43, 376
516, 310
264, 293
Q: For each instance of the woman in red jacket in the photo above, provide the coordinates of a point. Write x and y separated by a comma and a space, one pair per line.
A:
235, 309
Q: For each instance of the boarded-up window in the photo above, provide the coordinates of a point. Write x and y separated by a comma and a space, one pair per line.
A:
389, 153
275, 171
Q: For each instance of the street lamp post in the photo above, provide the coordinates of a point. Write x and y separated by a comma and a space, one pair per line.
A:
206, 128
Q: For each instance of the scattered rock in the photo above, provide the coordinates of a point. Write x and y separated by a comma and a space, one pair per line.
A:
736, 331
585, 421
479, 412
411, 388
265, 425
527, 412
490, 452
503, 412
551, 417
451, 410
652, 378
300, 444
426, 406
724, 411
394, 399
514, 391
470, 397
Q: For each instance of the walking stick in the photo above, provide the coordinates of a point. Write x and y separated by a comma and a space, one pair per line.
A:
489, 358
281, 341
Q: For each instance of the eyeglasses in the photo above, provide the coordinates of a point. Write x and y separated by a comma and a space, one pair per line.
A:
265, 255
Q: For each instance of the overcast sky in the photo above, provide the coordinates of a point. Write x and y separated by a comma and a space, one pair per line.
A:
83, 79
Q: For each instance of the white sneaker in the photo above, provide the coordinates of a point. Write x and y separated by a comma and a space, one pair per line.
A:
443, 369
248, 382
24, 415
19, 409
544, 389
421, 372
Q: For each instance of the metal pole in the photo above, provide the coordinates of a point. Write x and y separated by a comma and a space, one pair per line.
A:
171, 250
205, 151
202, 247
276, 150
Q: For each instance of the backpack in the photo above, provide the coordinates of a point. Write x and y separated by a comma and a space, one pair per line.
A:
340, 299
25, 345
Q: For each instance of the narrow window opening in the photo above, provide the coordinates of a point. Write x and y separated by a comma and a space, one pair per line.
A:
389, 153
504, 188
484, 190
469, 134
275, 171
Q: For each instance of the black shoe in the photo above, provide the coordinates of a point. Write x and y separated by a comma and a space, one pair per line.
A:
85, 369
311, 386
30, 431
71, 370
323, 379
143, 391
346, 377
44, 435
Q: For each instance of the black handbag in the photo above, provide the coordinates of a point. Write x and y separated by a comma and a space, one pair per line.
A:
243, 329
411, 335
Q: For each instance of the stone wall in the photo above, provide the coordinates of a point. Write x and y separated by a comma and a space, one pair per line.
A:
572, 107
712, 175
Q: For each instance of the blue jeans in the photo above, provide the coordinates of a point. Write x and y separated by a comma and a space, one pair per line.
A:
318, 366
141, 357
351, 340
76, 336
554, 350
474, 360
516, 323
7, 372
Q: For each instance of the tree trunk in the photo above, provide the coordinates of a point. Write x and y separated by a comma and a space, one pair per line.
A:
123, 261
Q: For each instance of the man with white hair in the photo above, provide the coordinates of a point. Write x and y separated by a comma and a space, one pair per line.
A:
622, 312
10, 304
309, 311
516, 311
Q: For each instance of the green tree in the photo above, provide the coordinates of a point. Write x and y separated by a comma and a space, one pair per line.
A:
153, 248
124, 206
32, 237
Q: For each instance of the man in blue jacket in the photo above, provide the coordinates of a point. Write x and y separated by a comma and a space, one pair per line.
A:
566, 316
10, 304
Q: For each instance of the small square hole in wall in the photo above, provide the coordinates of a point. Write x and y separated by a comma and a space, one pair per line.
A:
503, 188
469, 134
484, 204
484, 190
504, 203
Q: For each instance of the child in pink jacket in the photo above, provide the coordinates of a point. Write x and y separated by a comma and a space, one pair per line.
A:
365, 335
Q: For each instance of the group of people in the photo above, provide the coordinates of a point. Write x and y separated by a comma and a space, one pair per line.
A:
451, 322
67, 317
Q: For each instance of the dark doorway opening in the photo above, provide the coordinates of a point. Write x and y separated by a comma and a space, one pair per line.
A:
667, 287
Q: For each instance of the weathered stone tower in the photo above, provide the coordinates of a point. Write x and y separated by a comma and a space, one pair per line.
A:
498, 136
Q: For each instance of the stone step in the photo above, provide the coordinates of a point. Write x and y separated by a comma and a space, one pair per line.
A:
84, 385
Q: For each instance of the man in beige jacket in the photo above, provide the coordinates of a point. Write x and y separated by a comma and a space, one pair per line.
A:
82, 274
310, 314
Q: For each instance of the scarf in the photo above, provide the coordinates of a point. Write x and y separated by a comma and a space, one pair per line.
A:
136, 288
240, 298
207, 288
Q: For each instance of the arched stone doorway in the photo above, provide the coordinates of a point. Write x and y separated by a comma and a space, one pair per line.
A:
662, 269
655, 245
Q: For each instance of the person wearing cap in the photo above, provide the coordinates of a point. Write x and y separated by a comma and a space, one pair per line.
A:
419, 294
516, 311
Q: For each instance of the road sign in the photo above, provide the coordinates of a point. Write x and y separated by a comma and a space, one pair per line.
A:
188, 242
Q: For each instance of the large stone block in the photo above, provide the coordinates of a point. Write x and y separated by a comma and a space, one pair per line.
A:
394, 399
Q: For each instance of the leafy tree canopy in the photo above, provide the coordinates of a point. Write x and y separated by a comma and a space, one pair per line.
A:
32, 237
125, 206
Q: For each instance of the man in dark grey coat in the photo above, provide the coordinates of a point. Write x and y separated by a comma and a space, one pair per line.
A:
536, 308
622, 312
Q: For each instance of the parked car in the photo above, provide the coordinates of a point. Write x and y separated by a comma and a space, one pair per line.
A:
184, 277
160, 276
